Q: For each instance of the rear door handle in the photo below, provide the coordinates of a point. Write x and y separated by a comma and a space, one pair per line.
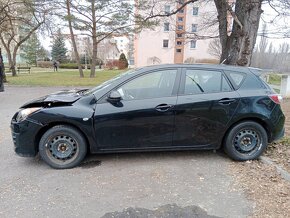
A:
163, 107
226, 101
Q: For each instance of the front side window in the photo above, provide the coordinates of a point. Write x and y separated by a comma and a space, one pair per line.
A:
205, 81
153, 85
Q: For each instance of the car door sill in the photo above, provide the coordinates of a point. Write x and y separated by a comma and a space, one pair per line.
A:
171, 148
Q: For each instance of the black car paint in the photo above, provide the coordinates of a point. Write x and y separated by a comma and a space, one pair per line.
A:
106, 125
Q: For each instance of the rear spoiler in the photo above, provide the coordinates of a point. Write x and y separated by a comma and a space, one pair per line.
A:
259, 72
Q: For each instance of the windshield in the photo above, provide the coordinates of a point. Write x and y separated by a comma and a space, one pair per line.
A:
108, 82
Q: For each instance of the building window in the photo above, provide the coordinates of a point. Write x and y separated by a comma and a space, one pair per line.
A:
167, 9
181, 2
179, 35
194, 28
180, 27
180, 19
166, 26
178, 43
193, 44
178, 50
181, 11
195, 11
165, 43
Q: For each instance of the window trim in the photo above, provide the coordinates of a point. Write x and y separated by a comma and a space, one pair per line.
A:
175, 90
183, 80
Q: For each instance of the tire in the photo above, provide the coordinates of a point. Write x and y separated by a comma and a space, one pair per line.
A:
246, 141
62, 147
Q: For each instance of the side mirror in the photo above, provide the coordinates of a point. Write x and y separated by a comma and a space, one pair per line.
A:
114, 97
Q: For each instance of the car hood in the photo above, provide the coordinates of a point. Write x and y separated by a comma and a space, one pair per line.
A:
63, 97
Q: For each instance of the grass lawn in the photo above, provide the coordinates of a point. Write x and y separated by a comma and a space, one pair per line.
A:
64, 77
274, 79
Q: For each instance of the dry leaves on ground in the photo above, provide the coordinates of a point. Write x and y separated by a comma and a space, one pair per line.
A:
264, 186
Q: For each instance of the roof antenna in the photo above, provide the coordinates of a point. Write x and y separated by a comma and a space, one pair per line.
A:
225, 59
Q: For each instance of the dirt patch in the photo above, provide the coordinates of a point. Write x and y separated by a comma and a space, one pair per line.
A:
279, 152
286, 110
264, 186
268, 191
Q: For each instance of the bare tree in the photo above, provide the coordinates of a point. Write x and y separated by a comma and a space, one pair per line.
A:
18, 21
215, 48
76, 53
101, 19
238, 24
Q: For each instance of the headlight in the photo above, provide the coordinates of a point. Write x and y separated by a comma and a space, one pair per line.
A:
23, 114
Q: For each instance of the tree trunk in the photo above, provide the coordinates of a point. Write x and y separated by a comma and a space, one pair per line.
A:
95, 41
237, 48
2, 72
11, 62
73, 40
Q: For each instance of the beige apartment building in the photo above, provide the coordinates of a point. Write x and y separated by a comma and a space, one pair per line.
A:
180, 38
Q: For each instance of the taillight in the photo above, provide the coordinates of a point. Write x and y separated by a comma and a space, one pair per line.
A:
276, 98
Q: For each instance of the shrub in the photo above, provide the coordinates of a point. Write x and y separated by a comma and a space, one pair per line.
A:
123, 62
69, 66
112, 64
44, 64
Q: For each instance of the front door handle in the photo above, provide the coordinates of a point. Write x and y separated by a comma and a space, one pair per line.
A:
226, 101
163, 107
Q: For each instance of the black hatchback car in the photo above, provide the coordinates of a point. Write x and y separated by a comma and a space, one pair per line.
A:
165, 107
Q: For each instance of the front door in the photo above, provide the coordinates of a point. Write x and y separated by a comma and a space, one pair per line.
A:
144, 118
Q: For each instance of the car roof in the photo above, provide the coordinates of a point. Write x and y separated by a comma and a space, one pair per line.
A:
203, 66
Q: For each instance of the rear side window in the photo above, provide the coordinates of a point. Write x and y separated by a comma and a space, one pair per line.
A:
237, 78
205, 81
244, 81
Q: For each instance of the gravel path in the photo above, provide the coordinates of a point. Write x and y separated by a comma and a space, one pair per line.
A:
194, 184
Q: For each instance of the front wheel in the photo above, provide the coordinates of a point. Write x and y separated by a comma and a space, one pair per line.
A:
62, 147
246, 141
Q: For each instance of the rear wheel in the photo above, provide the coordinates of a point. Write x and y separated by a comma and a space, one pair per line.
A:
62, 147
246, 141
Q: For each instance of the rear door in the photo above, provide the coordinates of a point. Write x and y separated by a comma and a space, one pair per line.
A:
205, 105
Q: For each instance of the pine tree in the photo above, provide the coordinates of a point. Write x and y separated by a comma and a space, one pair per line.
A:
123, 62
58, 51
31, 49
